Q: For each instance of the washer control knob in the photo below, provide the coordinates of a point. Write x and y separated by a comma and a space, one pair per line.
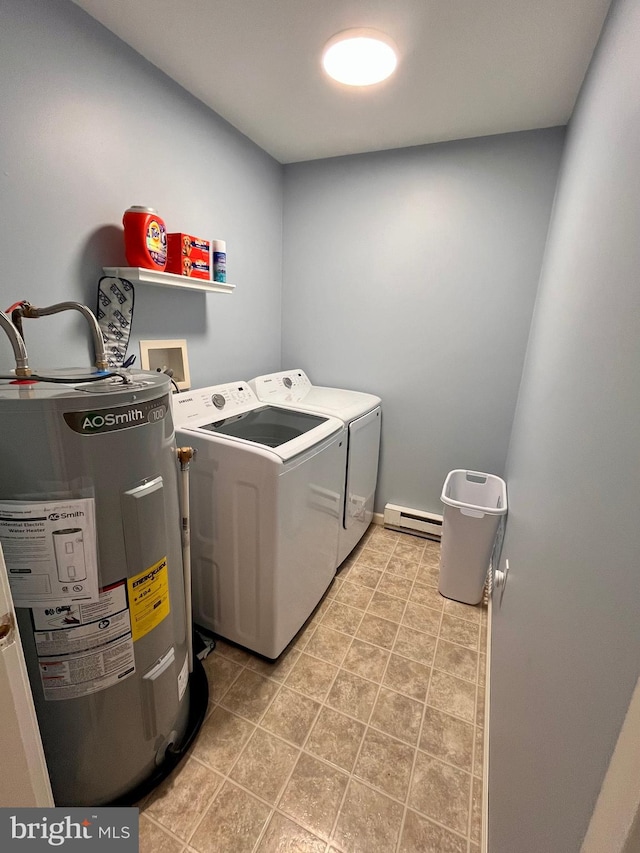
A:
287, 382
218, 401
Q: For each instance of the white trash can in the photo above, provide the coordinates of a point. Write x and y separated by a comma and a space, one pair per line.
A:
474, 505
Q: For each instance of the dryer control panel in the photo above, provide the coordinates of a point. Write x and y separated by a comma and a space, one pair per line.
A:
289, 386
213, 403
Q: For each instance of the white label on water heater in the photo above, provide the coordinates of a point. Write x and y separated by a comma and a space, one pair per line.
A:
183, 678
50, 551
84, 648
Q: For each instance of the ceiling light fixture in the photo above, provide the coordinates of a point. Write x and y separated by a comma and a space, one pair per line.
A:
359, 57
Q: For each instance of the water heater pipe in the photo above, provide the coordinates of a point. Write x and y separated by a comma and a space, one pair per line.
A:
185, 455
17, 344
25, 309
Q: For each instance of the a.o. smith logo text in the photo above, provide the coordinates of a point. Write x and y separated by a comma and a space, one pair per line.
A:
121, 417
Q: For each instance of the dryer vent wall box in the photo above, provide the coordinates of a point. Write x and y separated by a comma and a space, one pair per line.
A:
158, 355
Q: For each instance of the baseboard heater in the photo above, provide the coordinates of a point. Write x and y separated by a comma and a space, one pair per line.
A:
416, 521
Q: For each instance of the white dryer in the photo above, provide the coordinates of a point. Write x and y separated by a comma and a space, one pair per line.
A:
266, 493
362, 414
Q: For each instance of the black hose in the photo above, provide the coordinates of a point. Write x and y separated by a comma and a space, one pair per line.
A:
65, 380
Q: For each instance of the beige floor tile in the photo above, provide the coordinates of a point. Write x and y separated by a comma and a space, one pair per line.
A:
278, 669
476, 811
397, 715
429, 575
285, 836
411, 549
378, 631
441, 792
407, 676
355, 595
456, 660
386, 606
395, 585
153, 839
328, 645
352, 695
380, 541
403, 567
290, 716
480, 700
364, 575
369, 821
377, 543
415, 645
427, 596
221, 738
452, 695
431, 557
221, 673
422, 618
311, 676
233, 822
469, 612
447, 738
336, 738
352, 643
420, 835
265, 765
459, 631
373, 559
250, 695
366, 660
181, 799
341, 617
478, 752
313, 794
482, 669
234, 653
385, 763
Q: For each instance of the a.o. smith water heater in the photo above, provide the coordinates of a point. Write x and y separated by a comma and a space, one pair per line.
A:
90, 528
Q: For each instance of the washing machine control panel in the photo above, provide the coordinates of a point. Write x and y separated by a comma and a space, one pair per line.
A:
210, 404
289, 386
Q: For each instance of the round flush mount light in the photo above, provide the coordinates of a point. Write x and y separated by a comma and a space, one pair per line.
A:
359, 57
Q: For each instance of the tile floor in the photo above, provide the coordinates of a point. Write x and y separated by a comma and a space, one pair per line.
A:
366, 736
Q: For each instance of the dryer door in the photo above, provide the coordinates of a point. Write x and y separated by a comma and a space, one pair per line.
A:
362, 469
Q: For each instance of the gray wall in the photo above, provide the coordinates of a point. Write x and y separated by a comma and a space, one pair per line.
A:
88, 128
412, 274
566, 641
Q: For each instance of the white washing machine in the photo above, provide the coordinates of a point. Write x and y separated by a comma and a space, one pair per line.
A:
362, 414
266, 493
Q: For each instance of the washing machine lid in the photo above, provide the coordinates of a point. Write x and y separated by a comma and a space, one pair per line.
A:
293, 388
233, 413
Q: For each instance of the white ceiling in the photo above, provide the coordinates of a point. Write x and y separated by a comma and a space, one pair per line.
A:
467, 67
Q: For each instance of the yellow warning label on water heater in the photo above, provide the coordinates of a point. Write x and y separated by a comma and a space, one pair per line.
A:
148, 598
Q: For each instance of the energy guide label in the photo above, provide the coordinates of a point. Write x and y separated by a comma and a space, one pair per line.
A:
84, 648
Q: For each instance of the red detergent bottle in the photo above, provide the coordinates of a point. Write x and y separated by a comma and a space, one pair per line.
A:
145, 238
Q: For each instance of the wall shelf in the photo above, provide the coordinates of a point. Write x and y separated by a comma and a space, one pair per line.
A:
137, 275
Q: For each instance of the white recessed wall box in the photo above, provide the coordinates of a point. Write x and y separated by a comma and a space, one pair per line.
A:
160, 355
